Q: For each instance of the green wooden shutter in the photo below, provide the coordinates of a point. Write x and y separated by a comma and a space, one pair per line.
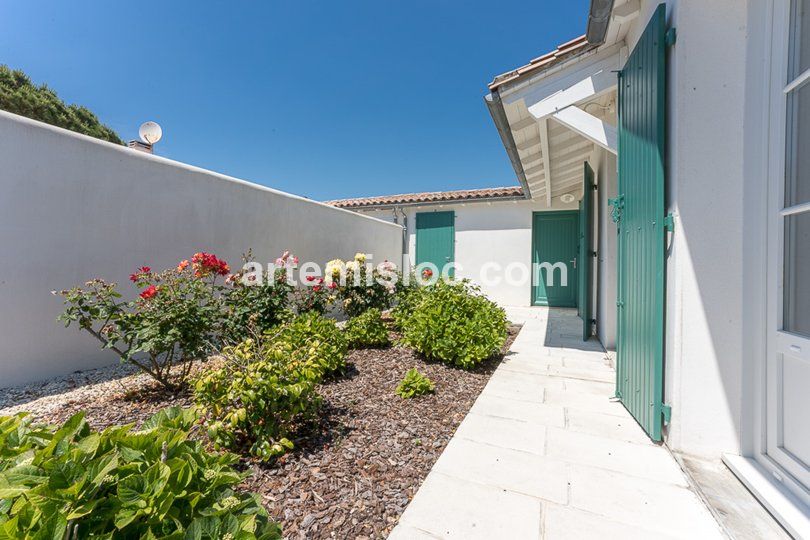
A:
640, 214
585, 259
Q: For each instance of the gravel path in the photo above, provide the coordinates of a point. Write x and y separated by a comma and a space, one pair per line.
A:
349, 477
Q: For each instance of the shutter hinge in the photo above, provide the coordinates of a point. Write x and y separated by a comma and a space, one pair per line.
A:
593, 254
666, 411
669, 222
671, 37
595, 187
619, 303
617, 204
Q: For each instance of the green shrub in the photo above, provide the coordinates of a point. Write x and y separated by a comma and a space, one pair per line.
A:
73, 482
259, 397
414, 384
366, 330
406, 299
317, 337
256, 302
453, 322
361, 286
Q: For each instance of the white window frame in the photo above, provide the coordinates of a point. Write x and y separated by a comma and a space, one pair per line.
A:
778, 89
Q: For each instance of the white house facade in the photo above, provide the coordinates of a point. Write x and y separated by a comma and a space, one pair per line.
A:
691, 119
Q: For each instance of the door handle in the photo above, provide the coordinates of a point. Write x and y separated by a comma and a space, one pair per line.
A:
574, 262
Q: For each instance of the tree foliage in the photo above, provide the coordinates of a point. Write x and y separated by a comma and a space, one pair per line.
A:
19, 95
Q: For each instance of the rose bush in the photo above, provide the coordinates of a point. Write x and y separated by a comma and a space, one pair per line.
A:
361, 286
174, 321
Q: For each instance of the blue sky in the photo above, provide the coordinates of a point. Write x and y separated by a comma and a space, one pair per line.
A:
325, 99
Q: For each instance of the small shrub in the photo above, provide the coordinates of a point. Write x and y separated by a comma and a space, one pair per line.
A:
256, 303
363, 287
315, 296
259, 397
174, 320
453, 322
73, 482
414, 384
319, 339
406, 298
366, 330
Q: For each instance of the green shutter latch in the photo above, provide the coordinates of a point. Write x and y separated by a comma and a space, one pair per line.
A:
666, 410
671, 37
669, 222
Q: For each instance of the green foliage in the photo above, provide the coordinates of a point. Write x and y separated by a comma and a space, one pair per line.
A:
73, 482
406, 298
453, 322
414, 384
172, 323
256, 304
319, 339
19, 95
361, 286
366, 330
259, 397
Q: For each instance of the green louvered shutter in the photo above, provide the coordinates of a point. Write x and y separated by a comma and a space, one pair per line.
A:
640, 215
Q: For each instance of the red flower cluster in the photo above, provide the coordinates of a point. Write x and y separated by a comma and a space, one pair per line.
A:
137, 275
427, 273
149, 292
207, 263
318, 281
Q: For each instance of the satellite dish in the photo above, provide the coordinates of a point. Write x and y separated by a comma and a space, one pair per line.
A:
567, 198
150, 132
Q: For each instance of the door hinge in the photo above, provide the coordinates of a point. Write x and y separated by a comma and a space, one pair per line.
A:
671, 37
669, 222
666, 411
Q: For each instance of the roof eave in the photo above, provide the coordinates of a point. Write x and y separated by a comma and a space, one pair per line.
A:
496, 110
391, 206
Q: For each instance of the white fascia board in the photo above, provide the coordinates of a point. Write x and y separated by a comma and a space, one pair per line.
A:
589, 126
563, 76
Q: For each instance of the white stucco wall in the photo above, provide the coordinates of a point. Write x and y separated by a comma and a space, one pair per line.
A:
606, 284
73, 208
487, 231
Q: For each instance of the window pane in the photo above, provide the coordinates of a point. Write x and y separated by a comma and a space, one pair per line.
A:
797, 159
799, 39
797, 274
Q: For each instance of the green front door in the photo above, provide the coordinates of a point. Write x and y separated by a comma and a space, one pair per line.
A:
436, 239
639, 213
555, 238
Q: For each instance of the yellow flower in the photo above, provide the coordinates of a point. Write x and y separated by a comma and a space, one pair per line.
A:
334, 267
360, 257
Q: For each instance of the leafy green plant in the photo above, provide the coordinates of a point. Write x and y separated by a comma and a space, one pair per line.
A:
256, 303
407, 297
259, 397
72, 482
361, 286
366, 330
319, 340
453, 322
19, 95
173, 321
315, 296
414, 384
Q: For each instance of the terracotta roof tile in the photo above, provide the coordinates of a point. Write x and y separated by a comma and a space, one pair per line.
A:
511, 192
561, 53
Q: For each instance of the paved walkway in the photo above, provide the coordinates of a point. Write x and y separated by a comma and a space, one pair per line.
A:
545, 453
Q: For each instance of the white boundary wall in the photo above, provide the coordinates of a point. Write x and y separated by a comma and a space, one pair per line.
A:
73, 208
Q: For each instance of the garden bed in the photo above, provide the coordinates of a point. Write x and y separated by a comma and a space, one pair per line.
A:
349, 477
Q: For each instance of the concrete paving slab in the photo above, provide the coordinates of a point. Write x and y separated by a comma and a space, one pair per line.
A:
545, 453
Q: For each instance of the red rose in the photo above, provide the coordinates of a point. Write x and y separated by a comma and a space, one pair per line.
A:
149, 292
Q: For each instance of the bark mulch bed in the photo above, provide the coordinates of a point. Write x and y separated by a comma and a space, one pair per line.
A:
351, 476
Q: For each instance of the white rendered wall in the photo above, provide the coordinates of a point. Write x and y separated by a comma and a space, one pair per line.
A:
606, 249
73, 208
487, 231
